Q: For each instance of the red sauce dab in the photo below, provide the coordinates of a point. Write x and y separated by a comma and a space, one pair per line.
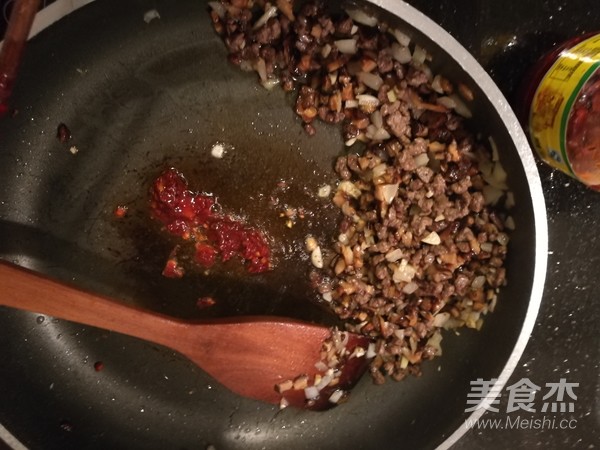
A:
191, 216
120, 211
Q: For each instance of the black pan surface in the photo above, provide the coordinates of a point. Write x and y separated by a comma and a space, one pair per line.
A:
140, 97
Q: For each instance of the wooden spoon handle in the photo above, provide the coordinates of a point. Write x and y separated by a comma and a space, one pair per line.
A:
18, 29
24, 289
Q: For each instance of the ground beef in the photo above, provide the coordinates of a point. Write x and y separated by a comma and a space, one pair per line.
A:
399, 123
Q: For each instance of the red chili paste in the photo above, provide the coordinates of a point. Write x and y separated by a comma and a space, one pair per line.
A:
191, 216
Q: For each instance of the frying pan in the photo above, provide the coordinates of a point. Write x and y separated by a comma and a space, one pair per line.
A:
139, 97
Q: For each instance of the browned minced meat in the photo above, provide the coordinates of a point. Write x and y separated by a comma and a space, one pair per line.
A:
372, 290
419, 242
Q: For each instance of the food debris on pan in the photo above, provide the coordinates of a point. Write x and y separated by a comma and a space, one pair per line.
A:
63, 134
424, 203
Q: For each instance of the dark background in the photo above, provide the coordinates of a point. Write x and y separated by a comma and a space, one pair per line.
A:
507, 38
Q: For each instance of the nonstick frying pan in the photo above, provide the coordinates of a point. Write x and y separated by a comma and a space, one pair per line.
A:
139, 97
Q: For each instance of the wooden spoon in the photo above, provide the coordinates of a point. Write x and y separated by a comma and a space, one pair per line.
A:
19, 25
248, 355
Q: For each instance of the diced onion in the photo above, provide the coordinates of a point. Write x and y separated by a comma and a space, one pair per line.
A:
404, 362
446, 101
402, 38
486, 167
421, 160
371, 353
410, 288
461, 107
404, 272
377, 119
246, 66
261, 68
487, 247
341, 343
367, 100
492, 194
218, 8
435, 341
333, 77
321, 366
283, 403
510, 223
325, 380
393, 255
285, 6
494, 146
217, 151
269, 12
358, 352
343, 239
371, 129
371, 80
436, 84
149, 16
419, 55
401, 53
336, 396
478, 282
311, 393
454, 102
381, 134
472, 319
427, 71
495, 176
379, 170
324, 191
316, 257
502, 239
440, 319
358, 15
499, 173
432, 239
386, 192
310, 243
270, 83
349, 188
510, 200
346, 46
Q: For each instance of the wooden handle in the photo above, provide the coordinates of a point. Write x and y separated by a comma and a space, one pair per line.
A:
24, 289
19, 25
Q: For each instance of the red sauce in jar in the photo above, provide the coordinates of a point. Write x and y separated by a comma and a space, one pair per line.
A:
194, 217
561, 108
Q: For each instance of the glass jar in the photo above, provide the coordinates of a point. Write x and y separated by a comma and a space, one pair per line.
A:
561, 108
